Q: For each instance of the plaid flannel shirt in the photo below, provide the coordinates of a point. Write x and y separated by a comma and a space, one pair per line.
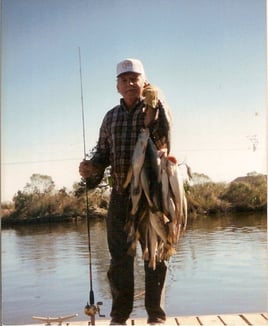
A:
118, 135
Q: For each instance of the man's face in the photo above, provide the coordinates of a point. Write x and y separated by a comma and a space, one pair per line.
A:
130, 86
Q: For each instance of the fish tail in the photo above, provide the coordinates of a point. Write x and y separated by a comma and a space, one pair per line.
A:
132, 249
131, 233
145, 255
152, 263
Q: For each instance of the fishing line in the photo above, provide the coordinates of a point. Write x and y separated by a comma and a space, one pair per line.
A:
90, 308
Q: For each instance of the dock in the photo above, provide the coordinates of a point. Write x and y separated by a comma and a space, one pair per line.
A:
239, 319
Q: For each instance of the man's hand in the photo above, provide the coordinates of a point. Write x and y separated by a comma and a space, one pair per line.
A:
91, 173
86, 169
150, 93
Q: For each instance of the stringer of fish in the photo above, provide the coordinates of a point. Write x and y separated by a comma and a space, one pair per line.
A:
159, 225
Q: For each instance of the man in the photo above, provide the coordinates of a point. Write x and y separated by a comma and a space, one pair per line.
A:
118, 135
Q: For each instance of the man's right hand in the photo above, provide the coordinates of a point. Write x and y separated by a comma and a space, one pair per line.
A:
86, 169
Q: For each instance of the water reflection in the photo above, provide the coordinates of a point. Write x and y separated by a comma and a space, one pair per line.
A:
220, 266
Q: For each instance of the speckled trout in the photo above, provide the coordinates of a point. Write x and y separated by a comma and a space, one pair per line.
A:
133, 176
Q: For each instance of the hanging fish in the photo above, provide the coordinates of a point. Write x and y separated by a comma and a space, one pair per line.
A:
135, 169
159, 206
177, 188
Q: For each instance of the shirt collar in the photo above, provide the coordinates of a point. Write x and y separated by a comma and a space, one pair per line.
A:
139, 103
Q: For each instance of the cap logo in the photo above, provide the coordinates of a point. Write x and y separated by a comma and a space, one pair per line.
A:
127, 65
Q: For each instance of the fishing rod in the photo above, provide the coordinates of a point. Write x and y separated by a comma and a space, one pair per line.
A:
90, 309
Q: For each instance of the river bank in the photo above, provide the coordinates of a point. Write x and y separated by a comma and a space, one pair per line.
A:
94, 212
97, 212
244, 194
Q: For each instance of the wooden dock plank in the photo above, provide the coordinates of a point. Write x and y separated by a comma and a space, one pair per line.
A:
187, 320
232, 320
171, 321
142, 321
137, 321
210, 320
255, 319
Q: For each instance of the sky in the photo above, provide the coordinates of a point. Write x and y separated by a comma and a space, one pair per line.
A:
208, 57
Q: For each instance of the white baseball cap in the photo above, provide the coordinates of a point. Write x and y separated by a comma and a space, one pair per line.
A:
130, 65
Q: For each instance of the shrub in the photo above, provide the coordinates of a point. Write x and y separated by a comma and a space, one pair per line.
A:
247, 193
205, 198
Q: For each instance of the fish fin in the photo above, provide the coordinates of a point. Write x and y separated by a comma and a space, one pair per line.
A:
145, 255
130, 229
189, 172
131, 233
165, 219
133, 248
185, 213
128, 177
170, 251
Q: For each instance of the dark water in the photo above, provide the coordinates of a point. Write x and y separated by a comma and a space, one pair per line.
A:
220, 267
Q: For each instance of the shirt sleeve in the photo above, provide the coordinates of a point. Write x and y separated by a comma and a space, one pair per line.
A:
160, 128
101, 155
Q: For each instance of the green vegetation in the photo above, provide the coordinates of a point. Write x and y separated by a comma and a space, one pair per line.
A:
40, 201
247, 193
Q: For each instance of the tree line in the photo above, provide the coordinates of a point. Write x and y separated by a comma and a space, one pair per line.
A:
40, 201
